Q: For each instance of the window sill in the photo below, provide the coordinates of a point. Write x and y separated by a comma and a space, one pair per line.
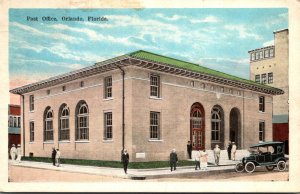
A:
82, 141
155, 140
107, 141
64, 141
262, 112
31, 111
31, 142
155, 98
48, 142
108, 99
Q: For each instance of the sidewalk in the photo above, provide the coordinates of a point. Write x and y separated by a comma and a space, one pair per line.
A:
132, 173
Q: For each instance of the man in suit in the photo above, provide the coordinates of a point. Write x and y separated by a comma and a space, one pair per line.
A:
173, 160
189, 149
53, 155
229, 147
125, 160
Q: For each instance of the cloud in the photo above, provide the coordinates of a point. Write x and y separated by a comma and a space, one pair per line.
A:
24, 60
172, 18
96, 36
208, 19
268, 43
221, 59
243, 31
56, 36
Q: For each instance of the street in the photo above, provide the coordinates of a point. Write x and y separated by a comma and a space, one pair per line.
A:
25, 174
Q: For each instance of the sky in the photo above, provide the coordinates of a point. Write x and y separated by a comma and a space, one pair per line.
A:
215, 38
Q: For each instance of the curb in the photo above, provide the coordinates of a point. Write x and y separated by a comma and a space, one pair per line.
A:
179, 175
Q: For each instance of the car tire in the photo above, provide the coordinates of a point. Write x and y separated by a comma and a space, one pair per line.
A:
281, 165
270, 168
250, 167
239, 167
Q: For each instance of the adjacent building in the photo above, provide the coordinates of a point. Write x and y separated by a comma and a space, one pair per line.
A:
14, 125
146, 103
270, 66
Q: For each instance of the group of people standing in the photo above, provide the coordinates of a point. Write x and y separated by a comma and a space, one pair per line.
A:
55, 157
231, 150
15, 153
201, 157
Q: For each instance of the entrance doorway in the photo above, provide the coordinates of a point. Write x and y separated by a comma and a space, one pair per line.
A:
235, 127
197, 125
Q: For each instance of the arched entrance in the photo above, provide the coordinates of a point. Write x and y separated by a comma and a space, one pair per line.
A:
235, 127
197, 125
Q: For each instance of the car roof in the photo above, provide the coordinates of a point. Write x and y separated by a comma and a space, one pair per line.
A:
267, 144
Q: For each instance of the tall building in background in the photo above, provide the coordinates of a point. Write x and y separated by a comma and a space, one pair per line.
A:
270, 65
14, 125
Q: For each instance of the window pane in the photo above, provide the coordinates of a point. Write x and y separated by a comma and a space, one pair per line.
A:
154, 86
270, 78
257, 78
154, 125
263, 78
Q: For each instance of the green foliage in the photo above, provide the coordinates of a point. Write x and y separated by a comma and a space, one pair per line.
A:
111, 164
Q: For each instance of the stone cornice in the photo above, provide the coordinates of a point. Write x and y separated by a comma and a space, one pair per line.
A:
126, 60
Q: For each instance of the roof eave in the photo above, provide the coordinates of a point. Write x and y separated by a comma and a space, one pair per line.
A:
212, 78
67, 77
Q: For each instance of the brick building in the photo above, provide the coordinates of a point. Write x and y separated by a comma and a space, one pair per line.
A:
14, 125
270, 66
148, 104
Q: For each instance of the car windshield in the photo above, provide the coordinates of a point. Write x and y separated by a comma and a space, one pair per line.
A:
262, 150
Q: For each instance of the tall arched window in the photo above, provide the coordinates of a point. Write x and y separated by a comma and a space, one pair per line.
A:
64, 129
82, 121
48, 124
217, 126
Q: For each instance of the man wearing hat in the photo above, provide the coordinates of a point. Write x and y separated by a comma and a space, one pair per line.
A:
217, 152
19, 152
13, 152
173, 160
125, 160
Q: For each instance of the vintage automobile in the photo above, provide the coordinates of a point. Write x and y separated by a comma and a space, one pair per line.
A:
268, 154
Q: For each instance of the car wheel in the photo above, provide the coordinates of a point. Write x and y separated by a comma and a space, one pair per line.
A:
239, 167
270, 168
250, 167
281, 165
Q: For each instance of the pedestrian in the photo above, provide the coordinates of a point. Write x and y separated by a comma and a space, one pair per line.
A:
189, 149
233, 151
53, 155
13, 152
197, 160
203, 160
217, 152
173, 160
125, 160
229, 147
19, 152
57, 158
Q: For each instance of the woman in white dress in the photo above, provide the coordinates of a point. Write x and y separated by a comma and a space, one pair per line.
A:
203, 160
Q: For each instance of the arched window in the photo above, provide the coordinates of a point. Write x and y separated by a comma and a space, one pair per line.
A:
64, 127
48, 124
82, 121
196, 119
217, 127
215, 124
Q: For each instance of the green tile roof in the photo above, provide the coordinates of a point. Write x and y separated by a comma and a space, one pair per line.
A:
144, 55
